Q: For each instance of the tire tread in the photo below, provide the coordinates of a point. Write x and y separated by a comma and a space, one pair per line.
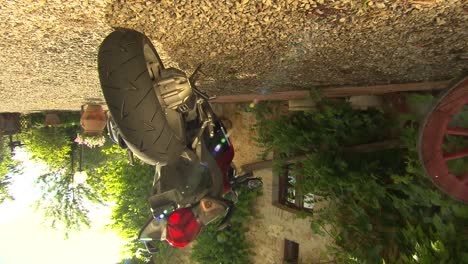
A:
127, 89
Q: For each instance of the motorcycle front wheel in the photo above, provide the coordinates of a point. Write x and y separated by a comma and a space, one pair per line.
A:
128, 64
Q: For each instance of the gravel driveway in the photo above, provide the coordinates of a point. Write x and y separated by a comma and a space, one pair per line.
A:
48, 49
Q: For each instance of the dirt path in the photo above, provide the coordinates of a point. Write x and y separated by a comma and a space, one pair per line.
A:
48, 51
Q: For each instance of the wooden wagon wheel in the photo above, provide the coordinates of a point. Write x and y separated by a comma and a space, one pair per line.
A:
434, 131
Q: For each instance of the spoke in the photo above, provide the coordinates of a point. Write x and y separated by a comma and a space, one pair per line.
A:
456, 155
458, 131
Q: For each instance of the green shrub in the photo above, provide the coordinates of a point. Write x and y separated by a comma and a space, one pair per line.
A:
229, 245
376, 200
51, 145
129, 188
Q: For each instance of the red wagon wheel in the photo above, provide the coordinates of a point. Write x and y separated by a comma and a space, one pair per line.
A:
437, 127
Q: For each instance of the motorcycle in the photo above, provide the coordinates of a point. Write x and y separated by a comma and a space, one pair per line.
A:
160, 116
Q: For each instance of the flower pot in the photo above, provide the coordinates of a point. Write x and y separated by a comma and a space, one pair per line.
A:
51, 120
93, 119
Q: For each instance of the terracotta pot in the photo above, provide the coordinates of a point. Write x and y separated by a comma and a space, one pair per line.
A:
52, 120
93, 119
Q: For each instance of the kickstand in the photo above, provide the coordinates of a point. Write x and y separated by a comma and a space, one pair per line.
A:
131, 159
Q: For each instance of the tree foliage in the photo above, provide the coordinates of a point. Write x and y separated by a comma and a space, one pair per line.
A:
4, 184
110, 179
66, 204
8, 167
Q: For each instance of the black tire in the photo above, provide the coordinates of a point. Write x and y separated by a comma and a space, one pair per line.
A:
128, 90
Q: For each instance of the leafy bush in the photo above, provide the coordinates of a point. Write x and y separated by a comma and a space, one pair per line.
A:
128, 187
50, 145
328, 127
378, 201
228, 245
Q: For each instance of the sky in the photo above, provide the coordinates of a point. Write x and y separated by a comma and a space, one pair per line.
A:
26, 239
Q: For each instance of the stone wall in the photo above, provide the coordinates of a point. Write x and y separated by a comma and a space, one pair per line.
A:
274, 225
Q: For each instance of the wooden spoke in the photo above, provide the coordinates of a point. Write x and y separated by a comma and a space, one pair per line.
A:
456, 154
457, 131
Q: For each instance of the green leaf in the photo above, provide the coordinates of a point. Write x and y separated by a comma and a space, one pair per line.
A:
460, 210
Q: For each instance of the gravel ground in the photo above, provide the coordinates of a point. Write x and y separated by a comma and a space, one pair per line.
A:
48, 51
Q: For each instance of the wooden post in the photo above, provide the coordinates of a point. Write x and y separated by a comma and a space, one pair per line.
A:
334, 92
265, 164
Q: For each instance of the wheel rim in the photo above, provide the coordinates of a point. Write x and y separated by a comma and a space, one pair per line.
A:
113, 129
434, 133
153, 63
